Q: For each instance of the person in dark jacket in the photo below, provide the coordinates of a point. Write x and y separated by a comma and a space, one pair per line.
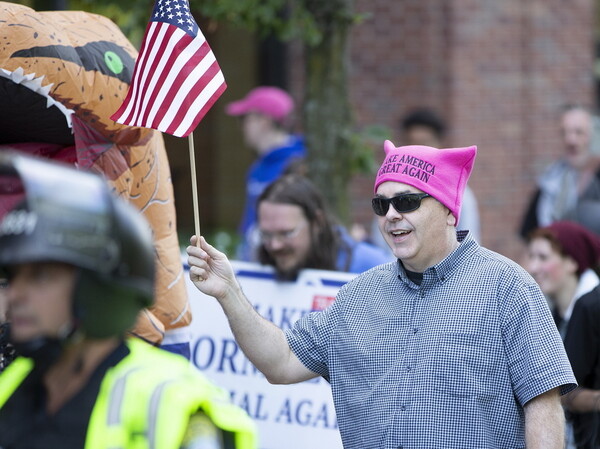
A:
570, 181
582, 343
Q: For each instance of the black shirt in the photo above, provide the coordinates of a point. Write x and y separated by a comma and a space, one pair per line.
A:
25, 423
414, 276
582, 342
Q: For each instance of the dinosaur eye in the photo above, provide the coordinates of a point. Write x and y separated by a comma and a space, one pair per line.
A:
113, 62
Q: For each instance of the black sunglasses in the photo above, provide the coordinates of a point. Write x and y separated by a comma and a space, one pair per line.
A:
407, 202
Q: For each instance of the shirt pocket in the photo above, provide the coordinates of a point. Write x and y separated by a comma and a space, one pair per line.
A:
463, 366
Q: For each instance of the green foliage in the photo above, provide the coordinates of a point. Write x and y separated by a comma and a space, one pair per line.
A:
224, 239
131, 17
305, 20
299, 19
264, 17
363, 145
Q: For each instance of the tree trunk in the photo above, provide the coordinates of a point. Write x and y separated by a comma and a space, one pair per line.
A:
327, 117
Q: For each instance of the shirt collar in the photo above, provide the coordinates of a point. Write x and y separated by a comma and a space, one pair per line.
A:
439, 272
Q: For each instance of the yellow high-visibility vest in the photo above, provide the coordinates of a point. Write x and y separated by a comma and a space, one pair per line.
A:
146, 402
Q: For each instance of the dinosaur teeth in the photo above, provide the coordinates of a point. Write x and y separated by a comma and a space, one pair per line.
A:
19, 76
29, 80
36, 83
45, 90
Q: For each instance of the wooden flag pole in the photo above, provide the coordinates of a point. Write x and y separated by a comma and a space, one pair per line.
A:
194, 187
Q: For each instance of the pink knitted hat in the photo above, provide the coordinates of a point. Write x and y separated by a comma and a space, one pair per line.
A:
443, 173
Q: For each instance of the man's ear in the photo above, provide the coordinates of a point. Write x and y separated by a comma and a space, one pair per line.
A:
450, 218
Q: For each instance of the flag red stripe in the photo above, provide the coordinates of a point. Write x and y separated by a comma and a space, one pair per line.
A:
206, 108
179, 80
191, 96
150, 36
148, 66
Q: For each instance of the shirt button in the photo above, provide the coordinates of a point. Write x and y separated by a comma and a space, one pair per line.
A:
408, 368
415, 330
403, 407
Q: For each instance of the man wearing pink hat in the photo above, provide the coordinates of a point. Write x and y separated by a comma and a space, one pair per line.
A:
450, 346
265, 112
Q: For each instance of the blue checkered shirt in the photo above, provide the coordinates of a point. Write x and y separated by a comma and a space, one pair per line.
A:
447, 364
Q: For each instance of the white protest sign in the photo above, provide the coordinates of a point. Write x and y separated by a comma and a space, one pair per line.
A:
299, 416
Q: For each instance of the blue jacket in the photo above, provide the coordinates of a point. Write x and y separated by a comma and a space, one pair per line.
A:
356, 257
264, 171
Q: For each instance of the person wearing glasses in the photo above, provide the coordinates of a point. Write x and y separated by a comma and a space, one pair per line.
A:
450, 346
266, 113
297, 231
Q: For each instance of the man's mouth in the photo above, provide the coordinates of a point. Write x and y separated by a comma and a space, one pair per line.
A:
282, 256
400, 233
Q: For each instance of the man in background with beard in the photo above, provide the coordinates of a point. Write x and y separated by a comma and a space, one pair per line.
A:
297, 230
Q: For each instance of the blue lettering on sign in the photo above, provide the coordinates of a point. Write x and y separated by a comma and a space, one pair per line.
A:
205, 342
230, 349
306, 414
322, 419
252, 405
223, 356
282, 317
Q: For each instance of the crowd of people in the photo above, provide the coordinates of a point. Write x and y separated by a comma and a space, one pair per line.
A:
437, 255
433, 328
441, 331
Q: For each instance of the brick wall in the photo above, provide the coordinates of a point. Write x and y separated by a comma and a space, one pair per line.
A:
499, 71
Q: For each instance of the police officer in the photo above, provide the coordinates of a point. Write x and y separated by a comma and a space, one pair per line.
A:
7, 352
80, 267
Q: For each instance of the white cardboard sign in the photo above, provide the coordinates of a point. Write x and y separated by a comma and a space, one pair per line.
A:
296, 416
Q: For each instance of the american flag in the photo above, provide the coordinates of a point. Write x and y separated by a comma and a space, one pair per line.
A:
176, 78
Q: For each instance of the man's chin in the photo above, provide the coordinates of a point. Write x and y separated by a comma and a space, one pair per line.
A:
288, 275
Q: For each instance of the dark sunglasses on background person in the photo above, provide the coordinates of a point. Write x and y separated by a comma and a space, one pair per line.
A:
406, 202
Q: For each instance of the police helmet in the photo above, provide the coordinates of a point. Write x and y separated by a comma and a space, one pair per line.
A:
51, 212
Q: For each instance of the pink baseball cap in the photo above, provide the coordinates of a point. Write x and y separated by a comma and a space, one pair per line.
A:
270, 101
443, 173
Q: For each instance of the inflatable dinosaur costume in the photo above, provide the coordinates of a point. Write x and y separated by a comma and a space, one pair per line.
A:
62, 74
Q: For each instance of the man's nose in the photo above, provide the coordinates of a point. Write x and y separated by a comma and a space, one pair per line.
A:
392, 214
276, 242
